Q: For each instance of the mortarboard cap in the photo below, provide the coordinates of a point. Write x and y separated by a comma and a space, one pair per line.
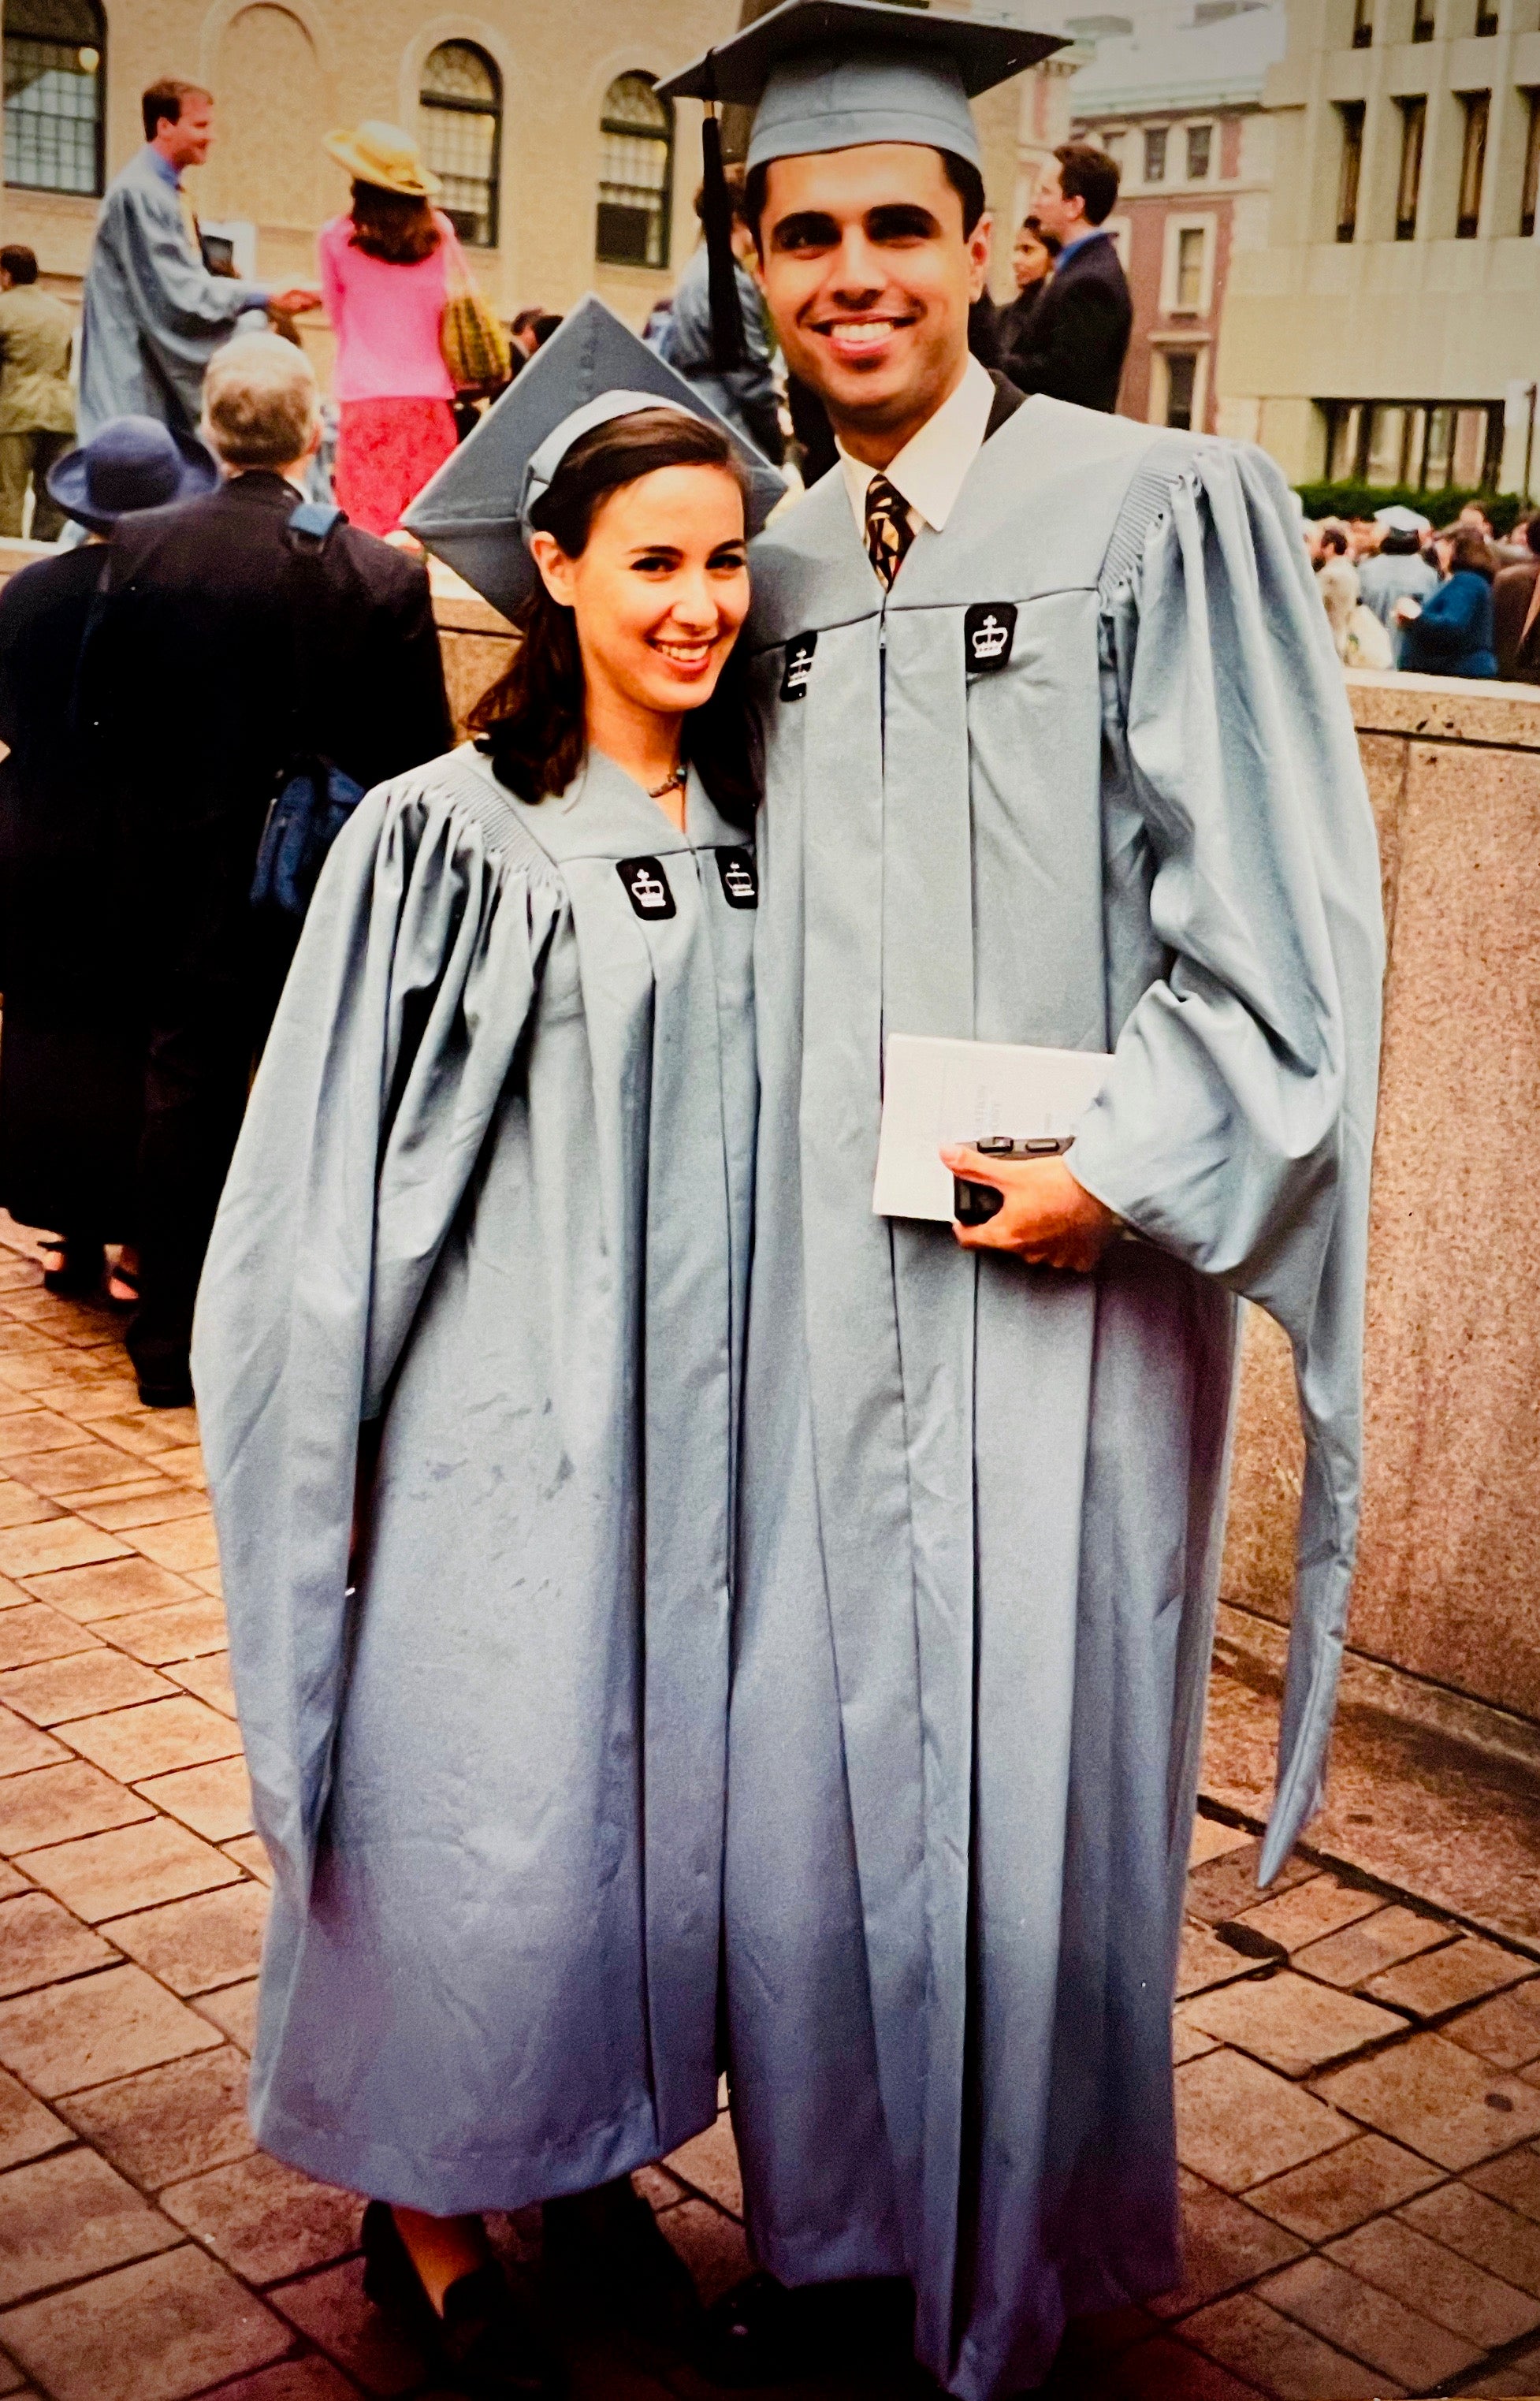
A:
1397, 519
473, 514
831, 75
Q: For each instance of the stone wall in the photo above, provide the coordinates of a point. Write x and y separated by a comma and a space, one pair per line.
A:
1449, 1579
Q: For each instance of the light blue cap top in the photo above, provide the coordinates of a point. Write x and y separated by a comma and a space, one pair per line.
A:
821, 100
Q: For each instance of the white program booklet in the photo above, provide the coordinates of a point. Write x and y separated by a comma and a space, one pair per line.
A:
937, 1091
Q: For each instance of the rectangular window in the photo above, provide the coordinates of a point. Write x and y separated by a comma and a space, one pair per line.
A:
1155, 154
1532, 166
1408, 184
1181, 377
1363, 24
1351, 170
1423, 25
1200, 151
1189, 268
1486, 21
1473, 163
1344, 441
1113, 143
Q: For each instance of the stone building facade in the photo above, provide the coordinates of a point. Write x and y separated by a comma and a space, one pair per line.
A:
1388, 328
564, 170
1177, 102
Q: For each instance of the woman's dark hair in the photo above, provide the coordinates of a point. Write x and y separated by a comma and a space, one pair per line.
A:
1470, 551
961, 173
1334, 539
533, 722
394, 226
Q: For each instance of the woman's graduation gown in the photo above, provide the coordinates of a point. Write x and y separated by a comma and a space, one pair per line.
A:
1085, 778
492, 1191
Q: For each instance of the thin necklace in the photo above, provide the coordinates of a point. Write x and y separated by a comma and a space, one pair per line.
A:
670, 783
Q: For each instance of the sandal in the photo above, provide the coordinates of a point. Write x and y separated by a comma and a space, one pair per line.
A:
78, 1271
123, 1287
483, 2346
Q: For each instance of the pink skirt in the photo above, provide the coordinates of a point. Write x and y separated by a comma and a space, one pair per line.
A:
386, 451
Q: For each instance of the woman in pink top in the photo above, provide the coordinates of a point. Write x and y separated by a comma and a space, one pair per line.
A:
387, 268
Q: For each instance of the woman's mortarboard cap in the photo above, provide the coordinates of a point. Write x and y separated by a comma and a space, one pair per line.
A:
471, 514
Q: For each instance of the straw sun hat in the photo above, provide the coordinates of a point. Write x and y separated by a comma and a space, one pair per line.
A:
383, 155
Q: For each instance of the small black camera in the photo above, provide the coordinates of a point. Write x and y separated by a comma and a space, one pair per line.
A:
974, 1204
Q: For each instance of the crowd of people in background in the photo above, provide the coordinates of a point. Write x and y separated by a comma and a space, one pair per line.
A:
1449, 601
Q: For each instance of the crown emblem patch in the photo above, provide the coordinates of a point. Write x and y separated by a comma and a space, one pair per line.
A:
799, 665
739, 884
989, 628
646, 887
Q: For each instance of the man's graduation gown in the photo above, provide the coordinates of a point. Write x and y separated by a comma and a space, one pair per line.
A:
493, 1192
1086, 777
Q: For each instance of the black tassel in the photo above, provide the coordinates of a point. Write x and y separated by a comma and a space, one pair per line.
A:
727, 345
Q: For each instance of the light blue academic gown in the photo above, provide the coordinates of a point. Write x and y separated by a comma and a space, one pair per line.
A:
151, 315
492, 1189
982, 1503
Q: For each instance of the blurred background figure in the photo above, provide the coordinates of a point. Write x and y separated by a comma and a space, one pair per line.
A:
1032, 264
388, 267
36, 405
1516, 612
1077, 340
747, 396
1397, 570
1337, 581
72, 1053
1450, 632
231, 647
153, 314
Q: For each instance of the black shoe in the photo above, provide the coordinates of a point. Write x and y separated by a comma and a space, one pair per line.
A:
606, 2249
483, 2345
764, 2332
166, 1396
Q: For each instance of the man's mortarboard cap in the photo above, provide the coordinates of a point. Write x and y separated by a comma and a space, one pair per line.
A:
473, 513
831, 75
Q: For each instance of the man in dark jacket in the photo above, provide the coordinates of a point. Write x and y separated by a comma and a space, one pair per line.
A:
227, 648
1077, 340
1516, 613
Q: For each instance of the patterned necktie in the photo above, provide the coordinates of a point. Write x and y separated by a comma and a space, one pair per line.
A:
888, 532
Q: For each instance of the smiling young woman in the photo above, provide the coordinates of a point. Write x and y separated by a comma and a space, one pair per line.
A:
477, 1291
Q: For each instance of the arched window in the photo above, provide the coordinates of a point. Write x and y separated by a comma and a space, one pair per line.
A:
635, 174
54, 79
461, 101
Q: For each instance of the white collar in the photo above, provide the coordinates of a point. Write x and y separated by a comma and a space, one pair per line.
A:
929, 471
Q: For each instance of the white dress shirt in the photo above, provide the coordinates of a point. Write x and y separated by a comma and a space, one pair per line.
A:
929, 471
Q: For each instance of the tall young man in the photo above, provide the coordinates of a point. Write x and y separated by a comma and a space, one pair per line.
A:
1057, 753
153, 315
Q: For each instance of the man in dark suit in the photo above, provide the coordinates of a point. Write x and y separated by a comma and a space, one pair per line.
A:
228, 645
1077, 339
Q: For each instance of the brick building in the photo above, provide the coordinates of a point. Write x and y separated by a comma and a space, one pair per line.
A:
1177, 99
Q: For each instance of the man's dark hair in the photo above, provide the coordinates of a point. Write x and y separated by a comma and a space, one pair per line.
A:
1470, 551
963, 176
1088, 174
1334, 539
526, 318
163, 103
18, 263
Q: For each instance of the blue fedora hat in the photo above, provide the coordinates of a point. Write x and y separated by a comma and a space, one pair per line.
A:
131, 462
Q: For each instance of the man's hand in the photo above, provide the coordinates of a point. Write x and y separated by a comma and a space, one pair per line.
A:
1047, 1218
295, 302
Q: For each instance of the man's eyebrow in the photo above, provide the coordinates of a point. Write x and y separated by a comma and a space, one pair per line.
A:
812, 226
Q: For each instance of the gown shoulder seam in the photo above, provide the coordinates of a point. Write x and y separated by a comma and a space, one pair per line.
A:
1147, 501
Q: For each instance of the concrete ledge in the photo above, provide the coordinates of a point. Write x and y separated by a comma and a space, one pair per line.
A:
1446, 709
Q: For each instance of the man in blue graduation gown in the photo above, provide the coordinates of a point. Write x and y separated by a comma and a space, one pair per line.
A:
153, 315
1057, 753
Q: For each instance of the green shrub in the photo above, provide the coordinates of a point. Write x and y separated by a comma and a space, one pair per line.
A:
1362, 500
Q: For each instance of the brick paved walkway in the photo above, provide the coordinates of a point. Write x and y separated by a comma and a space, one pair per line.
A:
1359, 2077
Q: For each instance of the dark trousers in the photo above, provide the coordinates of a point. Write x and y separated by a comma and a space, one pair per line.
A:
197, 1072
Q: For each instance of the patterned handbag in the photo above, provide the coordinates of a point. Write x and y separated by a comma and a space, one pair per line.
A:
474, 342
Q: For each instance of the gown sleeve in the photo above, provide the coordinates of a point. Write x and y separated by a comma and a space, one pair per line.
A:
1236, 1126
410, 989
